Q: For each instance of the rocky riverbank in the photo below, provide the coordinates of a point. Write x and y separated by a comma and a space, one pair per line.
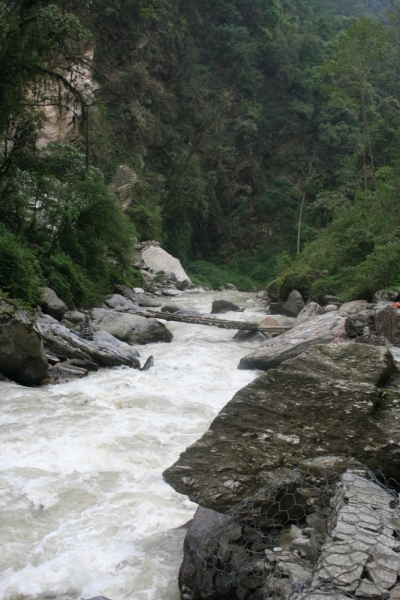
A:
332, 389
56, 344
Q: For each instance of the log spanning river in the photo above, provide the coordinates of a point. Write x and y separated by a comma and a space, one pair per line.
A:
84, 510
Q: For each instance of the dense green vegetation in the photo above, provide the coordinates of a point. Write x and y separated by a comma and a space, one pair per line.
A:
263, 135
357, 253
59, 225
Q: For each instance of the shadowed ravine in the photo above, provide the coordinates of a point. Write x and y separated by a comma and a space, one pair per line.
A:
84, 510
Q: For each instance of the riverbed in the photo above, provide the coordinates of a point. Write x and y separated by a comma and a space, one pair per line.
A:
84, 510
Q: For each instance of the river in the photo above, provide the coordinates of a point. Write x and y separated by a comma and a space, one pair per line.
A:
84, 510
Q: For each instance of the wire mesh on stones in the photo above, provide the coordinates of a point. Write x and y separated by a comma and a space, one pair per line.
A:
326, 530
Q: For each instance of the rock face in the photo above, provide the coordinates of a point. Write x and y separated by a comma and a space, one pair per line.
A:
224, 306
64, 344
325, 401
330, 327
22, 356
122, 185
52, 305
129, 328
317, 533
308, 312
156, 259
362, 540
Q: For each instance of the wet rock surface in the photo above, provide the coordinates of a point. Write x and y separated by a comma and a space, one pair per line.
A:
224, 306
320, 329
60, 342
319, 403
129, 328
22, 355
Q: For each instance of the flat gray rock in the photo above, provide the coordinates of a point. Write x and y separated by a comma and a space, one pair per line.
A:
330, 327
320, 403
129, 328
122, 304
61, 342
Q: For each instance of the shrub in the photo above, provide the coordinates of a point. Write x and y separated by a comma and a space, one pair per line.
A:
20, 275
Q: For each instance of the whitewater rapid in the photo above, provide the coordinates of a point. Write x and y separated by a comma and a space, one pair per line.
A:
84, 510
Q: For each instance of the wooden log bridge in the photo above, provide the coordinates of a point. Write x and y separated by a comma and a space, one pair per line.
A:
212, 322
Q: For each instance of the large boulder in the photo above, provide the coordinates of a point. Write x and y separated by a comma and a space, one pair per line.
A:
308, 312
104, 336
62, 343
325, 401
330, 327
22, 355
122, 304
224, 306
385, 296
147, 301
72, 318
129, 328
138, 296
353, 307
294, 304
157, 259
52, 305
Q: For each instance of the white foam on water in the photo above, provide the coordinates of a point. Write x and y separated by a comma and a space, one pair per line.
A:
84, 510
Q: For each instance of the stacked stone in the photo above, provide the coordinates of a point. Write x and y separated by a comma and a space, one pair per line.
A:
326, 531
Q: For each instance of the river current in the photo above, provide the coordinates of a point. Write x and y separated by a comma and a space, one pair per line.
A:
84, 510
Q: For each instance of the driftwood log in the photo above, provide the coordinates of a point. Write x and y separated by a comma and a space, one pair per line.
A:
220, 323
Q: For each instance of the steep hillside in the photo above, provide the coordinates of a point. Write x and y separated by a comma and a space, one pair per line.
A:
237, 147
218, 108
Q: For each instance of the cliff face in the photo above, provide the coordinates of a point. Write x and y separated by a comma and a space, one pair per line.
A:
62, 121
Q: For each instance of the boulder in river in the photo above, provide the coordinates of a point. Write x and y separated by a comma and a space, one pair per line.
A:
171, 308
224, 306
61, 342
133, 329
330, 327
22, 355
52, 305
320, 402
